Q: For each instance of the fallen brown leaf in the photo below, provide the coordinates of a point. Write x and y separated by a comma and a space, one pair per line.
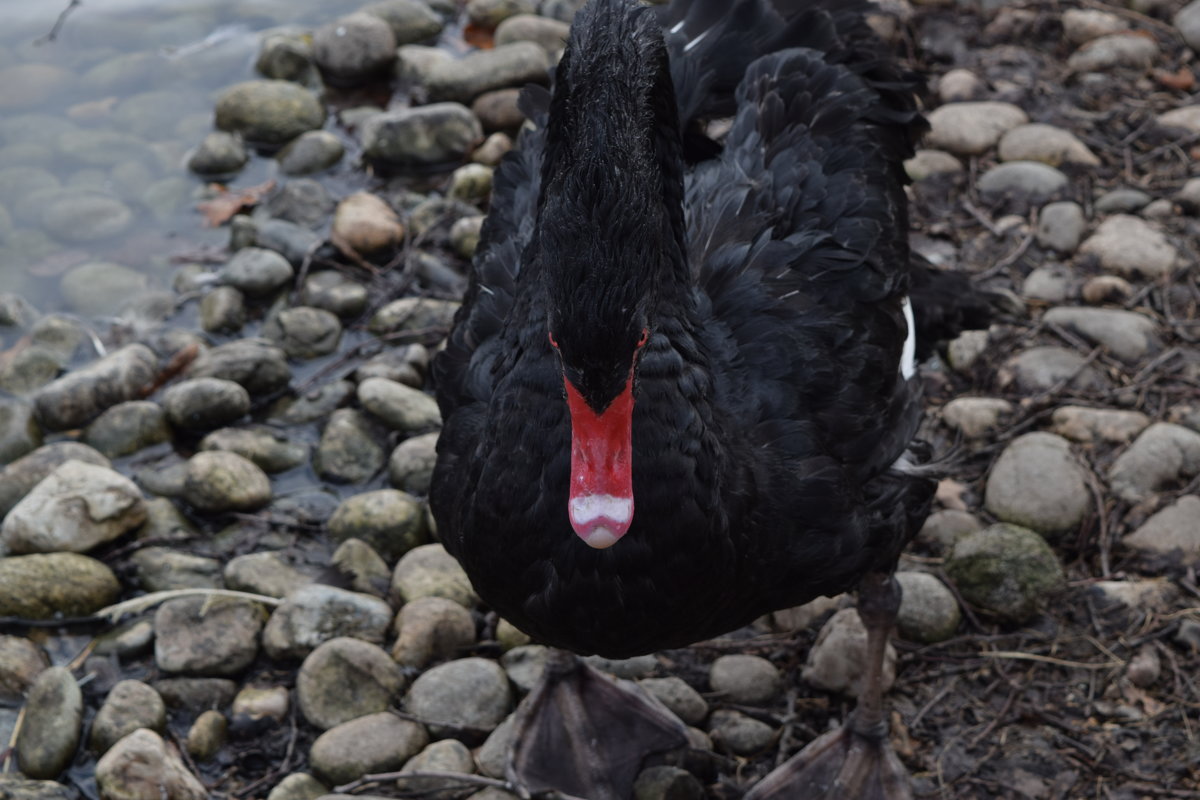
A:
226, 204
478, 37
1181, 81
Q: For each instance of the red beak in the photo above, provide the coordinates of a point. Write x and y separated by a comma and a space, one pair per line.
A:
601, 497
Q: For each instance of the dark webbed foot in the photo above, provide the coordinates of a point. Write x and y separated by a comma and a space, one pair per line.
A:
584, 734
856, 762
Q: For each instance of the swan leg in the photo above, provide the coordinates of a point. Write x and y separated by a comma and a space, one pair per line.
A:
856, 762
587, 735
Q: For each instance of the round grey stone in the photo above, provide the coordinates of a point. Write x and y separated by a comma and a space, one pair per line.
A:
929, 611
464, 698
1037, 483
1061, 226
129, 705
1005, 570
389, 520
350, 449
203, 636
219, 153
127, 428
272, 112
334, 292
371, 744
745, 679
1126, 334
161, 569
205, 403
221, 481
344, 679
401, 407
510, 65
314, 614
429, 571
265, 446
410, 20
19, 431
269, 574
430, 628
674, 693
410, 466
53, 725
1029, 180
354, 48
41, 586
427, 135
257, 271
257, 365
223, 310
310, 152
304, 332
737, 733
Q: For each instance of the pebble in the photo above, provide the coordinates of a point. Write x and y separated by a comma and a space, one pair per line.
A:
471, 183
1154, 594
1173, 531
389, 520
464, 235
490, 13
1083, 424
929, 611
466, 698
207, 735
633, 668
293, 242
265, 446
438, 133
1050, 284
303, 201
206, 636
257, 365
1047, 144
310, 152
926, 163
965, 350
304, 332
129, 705
205, 403
970, 129
1040, 369
680, 698
492, 756
287, 56
1061, 226
1083, 25
946, 526
45, 745
316, 613
266, 702
219, 153
400, 407
1161, 455
1120, 201
549, 34
312, 406
257, 271
745, 679
492, 150
78, 397
196, 694
367, 224
21, 661
354, 48
142, 766
330, 290
410, 20
127, 428
429, 571
836, 662
362, 567
509, 636
429, 629
447, 755
1037, 483
667, 783
350, 450
1132, 247
1145, 668
268, 574
75, 508
975, 417
298, 786
414, 63
499, 110
510, 65
269, 111
223, 310
1116, 50
1005, 570
101, 288
41, 586
410, 467
524, 665
735, 732
405, 364
371, 744
959, 85
222, 481
1125, 334
1029, 180
160, 569
344, 679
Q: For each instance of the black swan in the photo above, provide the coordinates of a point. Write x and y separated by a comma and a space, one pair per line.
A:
680, 392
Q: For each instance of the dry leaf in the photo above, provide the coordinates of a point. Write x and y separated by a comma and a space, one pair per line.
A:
226, 204
178, 363
950, 494
478, 37
1181, 81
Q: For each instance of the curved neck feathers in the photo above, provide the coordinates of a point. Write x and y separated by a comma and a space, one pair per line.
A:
610, 213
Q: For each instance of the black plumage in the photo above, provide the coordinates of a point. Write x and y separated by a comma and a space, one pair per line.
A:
769, 269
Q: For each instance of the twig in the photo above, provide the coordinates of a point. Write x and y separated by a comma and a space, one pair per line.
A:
147, 601
1058, 662
58, 23
462, 777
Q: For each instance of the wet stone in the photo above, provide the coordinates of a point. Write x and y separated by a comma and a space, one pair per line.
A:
354, 48
302, 200
141, 765
266, 702
738, 733
304, 332
511, 65
314, 614
75, 508
524, 665
447, 755
204, 403
161, 569
466, 698
314, 405
101, 288
414, 62
490, 13
127, 428
410, 467
266, 447
367, 223
19, 431
1037, 483
310, 152
207, 735
429, 571
78, 397
667, 783
375, 743
413, 313
427, 135
129, 705
391, 521
1006, 570
400, 407
257, 271
298, 786
206, 636
219, 153
335, 293
257, 365
222, 481
410, 20
286, 55
40, 586
293, 242
350, 449
268, 111
223, 310
53, 725
196, 694
344, 679
364, 569
21, 661
405, 364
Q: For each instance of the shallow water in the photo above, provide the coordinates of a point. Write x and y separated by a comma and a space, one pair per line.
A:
104, 114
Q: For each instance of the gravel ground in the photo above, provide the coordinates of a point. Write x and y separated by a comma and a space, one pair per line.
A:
262, 447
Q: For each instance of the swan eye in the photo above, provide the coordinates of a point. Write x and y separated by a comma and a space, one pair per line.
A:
553, 341
645, 337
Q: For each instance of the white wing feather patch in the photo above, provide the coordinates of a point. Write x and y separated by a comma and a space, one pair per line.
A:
908, 356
